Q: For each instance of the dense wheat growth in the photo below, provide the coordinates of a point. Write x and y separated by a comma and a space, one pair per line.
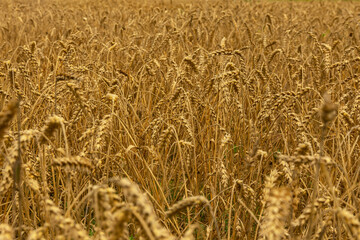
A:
179, 120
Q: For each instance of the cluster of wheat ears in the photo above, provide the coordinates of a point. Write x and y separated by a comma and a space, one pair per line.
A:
136, 120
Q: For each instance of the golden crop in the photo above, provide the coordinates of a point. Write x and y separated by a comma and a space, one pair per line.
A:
179, 120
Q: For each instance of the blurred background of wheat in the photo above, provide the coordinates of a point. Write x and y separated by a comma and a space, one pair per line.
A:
234, 120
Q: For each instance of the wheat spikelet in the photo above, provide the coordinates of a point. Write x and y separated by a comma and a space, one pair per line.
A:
269, 184
327, 60
187, 125
31, 181
317, 72
248, 32
133, 195
75, 90
347, 118
52, 123
306, 213
187, 202
189, 234
223, 174
273, 54
310, 115
103, 127
317, 43
6, 232
356, 107
276, 214
165, 137
325, 226
287, 170
118, 225
112, 97
6, 116
188, 60
328, 110
226, 140
74, 162
351, 222
306, 159
8, 171
226, 92
39, 233
99, 234
109, 211
248, 192
303, 149
65, 227
260, 155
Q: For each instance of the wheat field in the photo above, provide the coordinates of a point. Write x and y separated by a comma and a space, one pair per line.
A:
179, 120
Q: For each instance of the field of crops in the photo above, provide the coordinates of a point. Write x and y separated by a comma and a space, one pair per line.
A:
168, 120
